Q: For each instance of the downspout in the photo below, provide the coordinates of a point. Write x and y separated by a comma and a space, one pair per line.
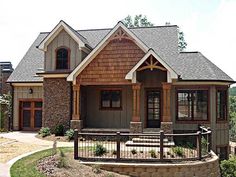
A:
10, 122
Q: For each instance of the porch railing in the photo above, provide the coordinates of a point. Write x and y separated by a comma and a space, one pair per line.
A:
142, 147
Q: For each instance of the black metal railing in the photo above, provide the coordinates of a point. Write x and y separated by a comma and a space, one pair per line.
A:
142, 147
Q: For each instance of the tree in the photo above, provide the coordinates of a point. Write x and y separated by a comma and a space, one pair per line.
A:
137, 21
181, 44
142, 21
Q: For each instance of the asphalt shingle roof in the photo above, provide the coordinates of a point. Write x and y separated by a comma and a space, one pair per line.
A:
162, 39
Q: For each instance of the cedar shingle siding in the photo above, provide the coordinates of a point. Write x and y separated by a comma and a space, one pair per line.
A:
112, 63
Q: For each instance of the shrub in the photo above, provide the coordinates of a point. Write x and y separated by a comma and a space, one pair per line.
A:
59, 130
44, 131
153, 153
204, 146
114, 152
70, 134
99, 150
62, 161
178, 151
134, 151
228, 167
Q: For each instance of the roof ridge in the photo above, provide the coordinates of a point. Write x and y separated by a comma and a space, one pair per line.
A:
141, 27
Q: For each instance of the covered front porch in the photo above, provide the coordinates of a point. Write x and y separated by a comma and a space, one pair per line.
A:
143, 106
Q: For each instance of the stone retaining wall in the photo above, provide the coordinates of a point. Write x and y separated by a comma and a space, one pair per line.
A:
207, 168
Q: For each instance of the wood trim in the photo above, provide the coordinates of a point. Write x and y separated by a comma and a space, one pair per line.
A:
222, 88
106, 83
110, 108
32, 109
207, 88
68, 58
145, 103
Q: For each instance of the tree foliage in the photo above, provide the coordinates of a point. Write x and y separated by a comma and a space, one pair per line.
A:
181, 44
232, 118
137, 21
228, 167
142, 21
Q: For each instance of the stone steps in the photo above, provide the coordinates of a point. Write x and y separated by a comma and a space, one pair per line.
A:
156, 144
148, 140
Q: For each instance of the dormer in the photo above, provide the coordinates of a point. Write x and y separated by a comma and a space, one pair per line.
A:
64, 48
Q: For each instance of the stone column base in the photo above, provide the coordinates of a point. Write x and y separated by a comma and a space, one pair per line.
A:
136, 127
76, 124
167, 127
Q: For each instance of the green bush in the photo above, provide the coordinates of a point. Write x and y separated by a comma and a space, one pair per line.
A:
44, 131
204, 146
153, 153
228, 167
70, 134
134, 151
178, 151
59, 130
99, 150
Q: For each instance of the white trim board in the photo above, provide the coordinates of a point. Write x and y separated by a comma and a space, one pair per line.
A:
59, 27
171, 74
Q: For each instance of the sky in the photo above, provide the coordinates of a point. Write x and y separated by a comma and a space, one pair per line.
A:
209, 25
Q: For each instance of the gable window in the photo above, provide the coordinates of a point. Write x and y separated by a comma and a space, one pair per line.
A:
221, 104
192, 105
111, 99
62, 58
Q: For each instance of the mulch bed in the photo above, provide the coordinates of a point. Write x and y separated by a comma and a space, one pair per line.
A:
49, 167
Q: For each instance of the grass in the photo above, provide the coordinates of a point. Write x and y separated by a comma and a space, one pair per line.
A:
26, 167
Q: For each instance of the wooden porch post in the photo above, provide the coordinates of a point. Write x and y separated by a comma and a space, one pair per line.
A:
76, 102
136, 102
166, 102
76, 122
136, 124
166, 124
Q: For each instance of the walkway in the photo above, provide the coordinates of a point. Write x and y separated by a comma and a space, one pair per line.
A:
27, 138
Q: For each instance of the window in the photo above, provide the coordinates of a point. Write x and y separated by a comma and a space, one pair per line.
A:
192, 105
62, 58
111, 99
221, 104
222, 152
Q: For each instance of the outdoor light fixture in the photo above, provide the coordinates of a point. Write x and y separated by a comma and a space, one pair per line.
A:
30, 91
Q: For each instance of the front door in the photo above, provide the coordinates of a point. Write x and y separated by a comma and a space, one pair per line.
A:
153, 108
31, 115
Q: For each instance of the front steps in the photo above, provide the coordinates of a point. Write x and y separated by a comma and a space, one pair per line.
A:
149, 141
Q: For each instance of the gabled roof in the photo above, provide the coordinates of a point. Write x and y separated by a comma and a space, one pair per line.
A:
162, 39
28, 67
172, 73
60, 26
101, 45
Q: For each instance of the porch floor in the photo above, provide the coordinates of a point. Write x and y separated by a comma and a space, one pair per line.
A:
104, 130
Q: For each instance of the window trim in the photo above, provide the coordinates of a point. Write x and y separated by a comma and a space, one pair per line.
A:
227, 104
68, 57
194, 88
109, 108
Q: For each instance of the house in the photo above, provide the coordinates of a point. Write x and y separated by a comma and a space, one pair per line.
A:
126, 79
5, 71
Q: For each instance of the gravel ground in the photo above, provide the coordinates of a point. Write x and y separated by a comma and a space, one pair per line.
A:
14, 148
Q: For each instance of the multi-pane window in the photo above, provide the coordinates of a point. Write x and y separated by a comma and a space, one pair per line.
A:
62, 58
221, 104
111, 99
192, 105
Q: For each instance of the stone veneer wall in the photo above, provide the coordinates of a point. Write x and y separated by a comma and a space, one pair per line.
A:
56, 102
208, 168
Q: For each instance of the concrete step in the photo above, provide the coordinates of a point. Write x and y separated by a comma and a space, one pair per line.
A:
137, 144
148, 140
149, 137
